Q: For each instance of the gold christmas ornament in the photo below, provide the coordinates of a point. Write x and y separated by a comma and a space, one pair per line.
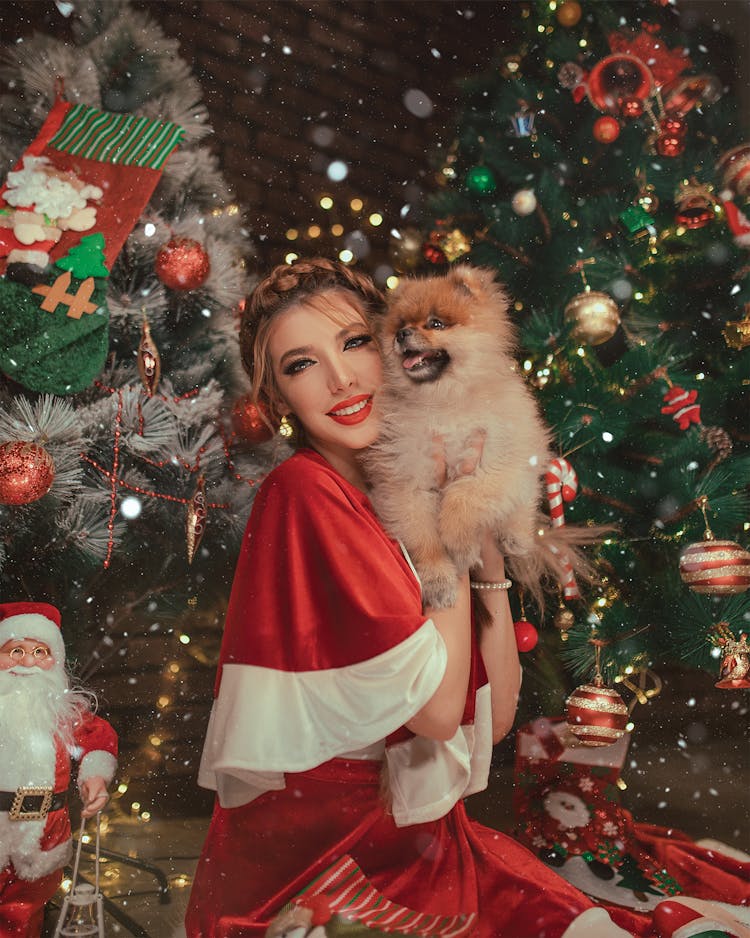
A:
737, 332
197, 513
149, 362
564, 620
595, 316
454, 244
735, 663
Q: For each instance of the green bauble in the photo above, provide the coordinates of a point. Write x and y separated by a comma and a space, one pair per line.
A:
480, 180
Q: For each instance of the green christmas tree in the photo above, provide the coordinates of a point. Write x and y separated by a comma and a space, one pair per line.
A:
86, 259
599, 168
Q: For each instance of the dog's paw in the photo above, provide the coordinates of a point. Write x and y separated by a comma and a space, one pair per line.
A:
439, 587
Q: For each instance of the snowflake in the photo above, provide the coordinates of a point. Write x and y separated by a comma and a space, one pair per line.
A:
538, 841
586, 783
610, 829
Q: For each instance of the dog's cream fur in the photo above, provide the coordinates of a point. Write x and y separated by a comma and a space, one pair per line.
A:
466, 389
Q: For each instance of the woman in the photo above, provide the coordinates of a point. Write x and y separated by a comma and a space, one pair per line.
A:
347, 719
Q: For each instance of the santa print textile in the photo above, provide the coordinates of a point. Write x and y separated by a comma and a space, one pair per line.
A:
321, 590
122, 154
567, 806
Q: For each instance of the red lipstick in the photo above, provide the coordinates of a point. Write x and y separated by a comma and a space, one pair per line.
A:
363, 408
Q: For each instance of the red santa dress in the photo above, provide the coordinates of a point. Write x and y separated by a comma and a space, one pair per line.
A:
33, 852
326, 655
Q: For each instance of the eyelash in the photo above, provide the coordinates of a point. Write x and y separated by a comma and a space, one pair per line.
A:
301, 364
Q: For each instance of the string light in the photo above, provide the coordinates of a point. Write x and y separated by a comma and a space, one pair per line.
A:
326, 202
375, 219
392, 282
356, 205
292, 234
313, 231
337, 230
290, 258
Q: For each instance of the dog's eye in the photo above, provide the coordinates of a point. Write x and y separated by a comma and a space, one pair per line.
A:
434, 323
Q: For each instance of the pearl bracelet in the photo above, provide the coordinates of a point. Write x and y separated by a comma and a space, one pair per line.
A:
490, 584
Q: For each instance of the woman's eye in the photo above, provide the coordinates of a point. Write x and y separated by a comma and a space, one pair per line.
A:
435, 323
356, 341
299, 364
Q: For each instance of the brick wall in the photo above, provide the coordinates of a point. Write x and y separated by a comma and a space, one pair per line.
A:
292, 86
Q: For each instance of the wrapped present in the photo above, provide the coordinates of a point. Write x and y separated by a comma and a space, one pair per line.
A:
568, 810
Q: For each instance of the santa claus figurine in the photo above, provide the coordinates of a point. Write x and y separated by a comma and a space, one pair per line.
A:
43, 724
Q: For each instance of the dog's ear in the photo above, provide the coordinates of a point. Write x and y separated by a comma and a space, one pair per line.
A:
473, 279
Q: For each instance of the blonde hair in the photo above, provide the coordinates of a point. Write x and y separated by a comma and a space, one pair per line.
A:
286, 286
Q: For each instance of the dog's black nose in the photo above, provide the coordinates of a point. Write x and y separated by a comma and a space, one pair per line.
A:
403, 334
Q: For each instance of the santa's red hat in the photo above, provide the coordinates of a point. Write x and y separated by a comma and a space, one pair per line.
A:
39, 621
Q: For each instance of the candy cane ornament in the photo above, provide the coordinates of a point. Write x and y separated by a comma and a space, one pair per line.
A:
562, 485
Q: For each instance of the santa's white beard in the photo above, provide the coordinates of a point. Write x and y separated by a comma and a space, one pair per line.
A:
36, 707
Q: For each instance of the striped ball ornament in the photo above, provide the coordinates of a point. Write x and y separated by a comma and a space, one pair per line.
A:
596, 714
715, 567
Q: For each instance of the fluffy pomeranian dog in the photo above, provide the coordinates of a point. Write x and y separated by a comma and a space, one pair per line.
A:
450, 381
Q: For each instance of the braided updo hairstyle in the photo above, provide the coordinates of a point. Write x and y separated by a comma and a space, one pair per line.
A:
286, 286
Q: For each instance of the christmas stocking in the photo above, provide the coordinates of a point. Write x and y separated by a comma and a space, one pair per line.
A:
65, 212
343, 903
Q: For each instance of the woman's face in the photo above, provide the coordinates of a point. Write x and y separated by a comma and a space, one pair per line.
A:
327, 371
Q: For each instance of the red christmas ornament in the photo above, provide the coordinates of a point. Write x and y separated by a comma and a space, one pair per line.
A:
606, 129
617, 77
715, 567
734, 166
433, 254
526, 635
673, 127
26, 472
631, 107
670, 145
250, 421
182, 264
596, 715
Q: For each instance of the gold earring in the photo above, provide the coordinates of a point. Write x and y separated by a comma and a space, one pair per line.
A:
285, 428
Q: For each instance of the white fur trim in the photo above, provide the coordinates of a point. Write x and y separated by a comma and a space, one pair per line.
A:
428, 776
19, 846
97, 762
34, 626
718, 846
302, 719
594, 923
